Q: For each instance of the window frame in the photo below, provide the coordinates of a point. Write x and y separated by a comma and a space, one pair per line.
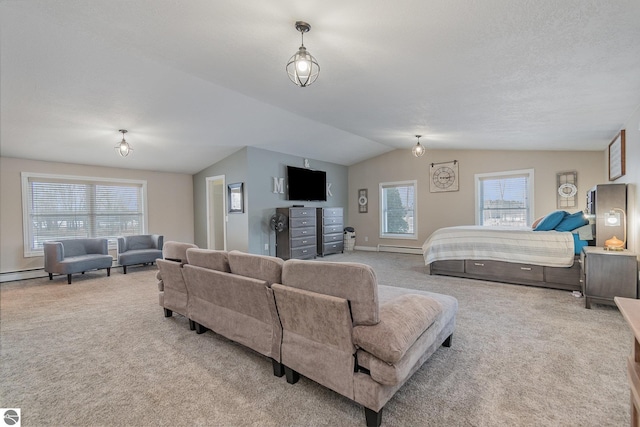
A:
479, 177
382, 186
26, 212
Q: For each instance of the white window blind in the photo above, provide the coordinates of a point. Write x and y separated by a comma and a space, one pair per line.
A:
63, 207
398, 213
505, 198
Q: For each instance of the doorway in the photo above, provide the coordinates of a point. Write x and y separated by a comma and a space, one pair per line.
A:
216, 213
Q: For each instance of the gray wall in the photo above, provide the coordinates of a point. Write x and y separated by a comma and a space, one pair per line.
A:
256, 168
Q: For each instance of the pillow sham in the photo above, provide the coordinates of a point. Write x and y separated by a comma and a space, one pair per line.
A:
578, 244
550, 221
572, 221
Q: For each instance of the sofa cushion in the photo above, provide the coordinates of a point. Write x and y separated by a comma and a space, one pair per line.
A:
402, 320
176, 251
74, 248
208, 258
349, 280
259, 267
139, 242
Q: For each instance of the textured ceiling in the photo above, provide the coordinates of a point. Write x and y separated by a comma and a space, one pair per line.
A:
193, 81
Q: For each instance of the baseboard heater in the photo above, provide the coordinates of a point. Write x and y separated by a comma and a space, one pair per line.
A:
400, 249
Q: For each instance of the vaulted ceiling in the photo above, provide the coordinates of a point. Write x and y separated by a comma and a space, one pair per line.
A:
194, 81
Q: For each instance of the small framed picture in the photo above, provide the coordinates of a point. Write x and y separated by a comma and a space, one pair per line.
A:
617, 157
236, 197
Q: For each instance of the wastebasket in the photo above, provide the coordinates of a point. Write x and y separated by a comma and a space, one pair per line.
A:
349, 238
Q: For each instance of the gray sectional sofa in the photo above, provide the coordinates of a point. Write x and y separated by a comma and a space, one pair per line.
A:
76, 256
328, 321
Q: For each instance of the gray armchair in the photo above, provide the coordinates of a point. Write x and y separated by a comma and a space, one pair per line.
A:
76, 256
140, 249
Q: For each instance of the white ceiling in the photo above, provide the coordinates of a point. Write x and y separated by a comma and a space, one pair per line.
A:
193, 81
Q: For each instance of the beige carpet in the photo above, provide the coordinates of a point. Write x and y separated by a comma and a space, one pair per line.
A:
99, 352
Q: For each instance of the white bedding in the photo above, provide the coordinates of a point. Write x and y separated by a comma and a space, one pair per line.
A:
520, 245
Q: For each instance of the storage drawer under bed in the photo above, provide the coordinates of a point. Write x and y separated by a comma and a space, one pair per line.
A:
501, 270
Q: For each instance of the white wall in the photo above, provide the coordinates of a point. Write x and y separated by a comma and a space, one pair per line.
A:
169, 198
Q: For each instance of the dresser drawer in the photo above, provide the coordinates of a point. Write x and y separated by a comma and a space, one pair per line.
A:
302, 212
332, 248
331, 229
301, 222
332, 212
499, 269
303, 241
331, 238
304, 252
332, 220
302, 232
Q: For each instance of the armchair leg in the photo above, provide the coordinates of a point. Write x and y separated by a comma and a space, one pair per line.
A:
292, 376
124, 269
278, 368
69, 279
192, 325
168, 313
447, 342
108, 271
50, 276
374, 419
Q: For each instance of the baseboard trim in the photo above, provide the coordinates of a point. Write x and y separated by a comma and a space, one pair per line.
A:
400, 249
14, 276
366, 248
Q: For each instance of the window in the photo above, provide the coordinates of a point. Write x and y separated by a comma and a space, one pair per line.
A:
398, 212
65, 207
504, 198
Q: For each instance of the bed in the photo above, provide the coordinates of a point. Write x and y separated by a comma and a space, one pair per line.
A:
547, 258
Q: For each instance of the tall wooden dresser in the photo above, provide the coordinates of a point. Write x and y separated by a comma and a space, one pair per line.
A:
330, 230
298, 240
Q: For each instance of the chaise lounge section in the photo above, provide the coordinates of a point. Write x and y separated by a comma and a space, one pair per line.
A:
362, 340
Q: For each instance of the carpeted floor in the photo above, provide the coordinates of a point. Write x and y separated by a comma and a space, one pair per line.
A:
99, 352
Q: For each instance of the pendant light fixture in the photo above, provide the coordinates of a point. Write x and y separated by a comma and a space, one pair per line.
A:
303, 69
418, 150
123, 148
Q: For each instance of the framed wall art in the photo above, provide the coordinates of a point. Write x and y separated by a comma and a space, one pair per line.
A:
617, 157
235, 194
567, 189
444, 177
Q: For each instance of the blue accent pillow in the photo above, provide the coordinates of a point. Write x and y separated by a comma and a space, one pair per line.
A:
571, 222
578, 244
550, 221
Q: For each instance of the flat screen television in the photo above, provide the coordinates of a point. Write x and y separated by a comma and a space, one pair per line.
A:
306, 184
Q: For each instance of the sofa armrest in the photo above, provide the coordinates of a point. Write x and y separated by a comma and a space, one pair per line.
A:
158, 241
122, 245
402, 321
53, 254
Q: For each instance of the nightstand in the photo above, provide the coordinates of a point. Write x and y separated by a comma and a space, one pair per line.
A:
608, 274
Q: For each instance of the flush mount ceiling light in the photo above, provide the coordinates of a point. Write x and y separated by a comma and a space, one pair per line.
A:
303, 69
418, 150
123, 148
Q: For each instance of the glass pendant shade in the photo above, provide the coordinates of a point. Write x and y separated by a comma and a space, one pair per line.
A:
302, 68
123, 148
418, 150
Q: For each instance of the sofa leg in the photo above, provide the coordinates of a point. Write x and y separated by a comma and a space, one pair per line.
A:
292, 376
108, 271
374, 419
167, 312
200, 329
50, 276
278, 368
192, 325
68, 278
447, 342
124, 269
